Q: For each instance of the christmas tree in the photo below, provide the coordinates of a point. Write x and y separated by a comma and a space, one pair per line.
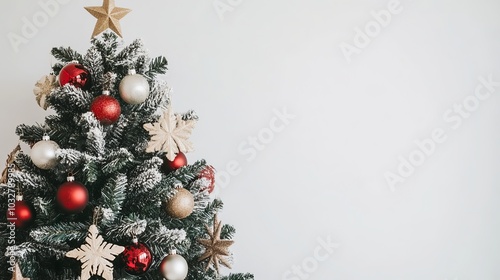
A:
106, 191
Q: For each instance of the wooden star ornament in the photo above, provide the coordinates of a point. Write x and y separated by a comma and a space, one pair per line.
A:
17, 273
96, 255
216, 249
108, 16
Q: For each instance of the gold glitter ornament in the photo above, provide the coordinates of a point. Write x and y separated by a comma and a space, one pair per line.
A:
181, 205
216, 249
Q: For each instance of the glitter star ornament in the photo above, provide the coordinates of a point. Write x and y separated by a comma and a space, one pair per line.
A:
96, 255
108, 16
43, 88
216, 249
17, 275
170, 134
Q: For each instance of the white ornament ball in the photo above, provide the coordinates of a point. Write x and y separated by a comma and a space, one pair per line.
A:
174, 267
134, 88
43, 154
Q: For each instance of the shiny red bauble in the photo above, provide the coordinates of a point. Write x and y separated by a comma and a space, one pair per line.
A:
75, 74
21, 214
106, 109
72, 196
208, 173
137, 258
179, 161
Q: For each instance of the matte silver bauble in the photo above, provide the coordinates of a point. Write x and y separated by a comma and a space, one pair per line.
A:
134, 88
174, 267
43, 154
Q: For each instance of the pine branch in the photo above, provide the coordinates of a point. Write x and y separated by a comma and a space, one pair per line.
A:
24, 162
66, 134
116, 133
162, 239
129, 55
211, 209
30, 134
78, 100
95, 144
66, 55
117, 160
190, 115
187, 174
71, 159
114, 194
141, 64
94, 63
227, 232
34, 257
157, 66
126, 228
149, 164
107, 46
146, 181
60, 234
45, 210
157, 100
109, 81
33, 184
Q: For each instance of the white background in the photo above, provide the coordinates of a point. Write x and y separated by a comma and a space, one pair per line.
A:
322, 176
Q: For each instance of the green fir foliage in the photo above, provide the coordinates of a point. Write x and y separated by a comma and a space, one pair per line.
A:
127, 187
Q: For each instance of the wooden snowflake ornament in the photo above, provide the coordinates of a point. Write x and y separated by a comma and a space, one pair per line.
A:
170, 134
96, 255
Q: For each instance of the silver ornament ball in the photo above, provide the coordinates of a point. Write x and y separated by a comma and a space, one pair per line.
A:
43, 154
134, 88
174, 267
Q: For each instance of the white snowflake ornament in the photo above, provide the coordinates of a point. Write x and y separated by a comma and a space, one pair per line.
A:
43, 88
170, 134
96, 255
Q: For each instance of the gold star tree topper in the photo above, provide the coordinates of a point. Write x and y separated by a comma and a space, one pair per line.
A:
216, 249
108, 16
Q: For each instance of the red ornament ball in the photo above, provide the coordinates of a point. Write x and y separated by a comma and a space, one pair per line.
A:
75, 74
179, 161
72, 196
106, 109
208, 174
137, 258
21, 214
